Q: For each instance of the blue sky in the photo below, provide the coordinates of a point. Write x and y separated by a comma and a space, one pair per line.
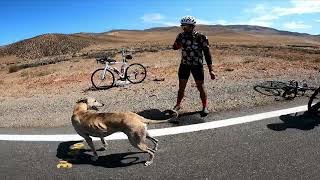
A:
21, 19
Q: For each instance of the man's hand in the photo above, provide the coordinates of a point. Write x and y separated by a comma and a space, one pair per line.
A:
176, 46
212, 75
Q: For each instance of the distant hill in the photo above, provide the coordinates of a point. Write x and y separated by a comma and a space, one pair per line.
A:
233, 28
263, 30
47, 45
58, 44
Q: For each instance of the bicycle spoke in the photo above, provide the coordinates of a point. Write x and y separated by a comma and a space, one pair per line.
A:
102, 81
267, 91
136, 73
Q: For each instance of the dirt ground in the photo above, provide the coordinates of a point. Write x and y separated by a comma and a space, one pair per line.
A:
44, 96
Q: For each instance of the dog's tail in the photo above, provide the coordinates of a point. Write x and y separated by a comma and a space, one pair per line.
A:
172, 119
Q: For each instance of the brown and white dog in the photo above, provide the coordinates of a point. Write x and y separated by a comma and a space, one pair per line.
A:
88, 122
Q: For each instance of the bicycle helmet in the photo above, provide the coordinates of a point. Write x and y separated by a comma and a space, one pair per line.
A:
188, 20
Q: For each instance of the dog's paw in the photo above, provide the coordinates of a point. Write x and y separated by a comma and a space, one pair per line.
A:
94, 158
148, 163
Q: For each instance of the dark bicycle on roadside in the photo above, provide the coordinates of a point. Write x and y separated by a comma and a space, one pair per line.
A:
285, 89
314, 103
104, 78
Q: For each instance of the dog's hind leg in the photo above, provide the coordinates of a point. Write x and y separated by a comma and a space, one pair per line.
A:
154, 140
90, 143
104, 142
145, 148
138, 140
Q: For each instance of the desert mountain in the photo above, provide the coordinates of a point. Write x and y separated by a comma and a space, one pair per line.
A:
59, 44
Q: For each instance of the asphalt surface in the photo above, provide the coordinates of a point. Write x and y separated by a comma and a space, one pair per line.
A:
286, 147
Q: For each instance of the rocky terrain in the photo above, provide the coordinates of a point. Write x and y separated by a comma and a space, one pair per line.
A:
44, 76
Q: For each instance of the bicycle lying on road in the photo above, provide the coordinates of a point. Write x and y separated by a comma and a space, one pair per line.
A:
314, 103
104, 78
285, 89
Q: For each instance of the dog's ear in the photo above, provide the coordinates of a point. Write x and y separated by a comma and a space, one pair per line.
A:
82, 100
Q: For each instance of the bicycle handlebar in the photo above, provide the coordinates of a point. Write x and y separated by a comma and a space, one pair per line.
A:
105, 60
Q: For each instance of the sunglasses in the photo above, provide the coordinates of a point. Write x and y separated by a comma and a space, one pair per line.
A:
186, 26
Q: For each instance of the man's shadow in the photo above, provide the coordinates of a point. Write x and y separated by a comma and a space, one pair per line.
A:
81, 156
305, 121
186, 118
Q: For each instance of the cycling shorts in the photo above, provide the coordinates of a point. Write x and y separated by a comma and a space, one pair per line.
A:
196, 71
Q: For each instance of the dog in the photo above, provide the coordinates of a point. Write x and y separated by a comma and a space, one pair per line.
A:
88, 122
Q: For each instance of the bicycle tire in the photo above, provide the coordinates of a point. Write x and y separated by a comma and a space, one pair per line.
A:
314, 102
108, 80
267, 91
273, 84
129, 75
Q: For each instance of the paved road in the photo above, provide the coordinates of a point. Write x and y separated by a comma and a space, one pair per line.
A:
286, 147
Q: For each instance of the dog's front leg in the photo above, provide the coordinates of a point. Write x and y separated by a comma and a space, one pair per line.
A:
104, 142
90, 143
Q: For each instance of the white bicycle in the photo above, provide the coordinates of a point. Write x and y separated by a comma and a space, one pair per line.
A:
104, 78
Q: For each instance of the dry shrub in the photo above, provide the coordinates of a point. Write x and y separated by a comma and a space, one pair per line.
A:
316, 60
14, 68
229, 69
247, 61
32, 74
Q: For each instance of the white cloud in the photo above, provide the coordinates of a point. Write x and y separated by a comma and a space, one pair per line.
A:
298, 7
261, 16
317, 20
188, 9
221, 22
267, 17
206, 22
296, 25
156, 18
152, 18
264, 16
259, 8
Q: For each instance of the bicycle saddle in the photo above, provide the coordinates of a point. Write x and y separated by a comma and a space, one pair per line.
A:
104, 60
128, 56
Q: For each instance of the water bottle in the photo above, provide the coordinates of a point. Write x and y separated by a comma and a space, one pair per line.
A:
123, 67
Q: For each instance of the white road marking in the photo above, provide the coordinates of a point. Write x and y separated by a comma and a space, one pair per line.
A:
163, 131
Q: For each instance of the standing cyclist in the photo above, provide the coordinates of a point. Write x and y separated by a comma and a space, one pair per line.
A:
194, 45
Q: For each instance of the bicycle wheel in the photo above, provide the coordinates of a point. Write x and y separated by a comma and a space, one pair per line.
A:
273, 84
102, 82
270, 88
267, 91
314, 102
136, 73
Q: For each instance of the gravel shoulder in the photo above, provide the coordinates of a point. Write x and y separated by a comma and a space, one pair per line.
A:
47, 100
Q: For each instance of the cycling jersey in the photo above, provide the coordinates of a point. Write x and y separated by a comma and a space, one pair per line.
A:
194, 45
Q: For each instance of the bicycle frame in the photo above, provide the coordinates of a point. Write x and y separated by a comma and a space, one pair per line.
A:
120, 73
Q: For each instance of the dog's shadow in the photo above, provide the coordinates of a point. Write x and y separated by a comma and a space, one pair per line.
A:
186, 118
304, 121
81, 156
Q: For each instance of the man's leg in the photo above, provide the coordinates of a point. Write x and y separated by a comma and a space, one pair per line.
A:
198, 75
182, 87
183, 74
203, 93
